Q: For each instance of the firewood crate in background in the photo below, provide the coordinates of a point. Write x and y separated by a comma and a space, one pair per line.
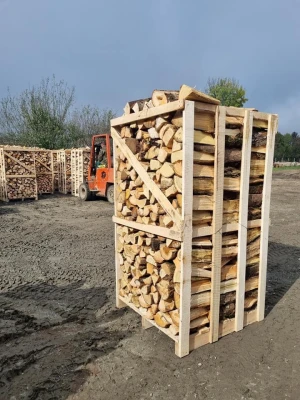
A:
64, 171
192, 199
44, 171
80, 159
17, 174
55, 169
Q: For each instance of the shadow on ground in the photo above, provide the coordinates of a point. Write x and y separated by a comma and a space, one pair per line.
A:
48, 335
283, 271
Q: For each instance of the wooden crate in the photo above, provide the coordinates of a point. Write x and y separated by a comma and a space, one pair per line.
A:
17, 174
192, 200
64, 171
80, 159
44, 171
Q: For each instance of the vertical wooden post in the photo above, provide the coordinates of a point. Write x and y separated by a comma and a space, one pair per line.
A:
119, 303
243, 220
220, 124
182, 348
265, 211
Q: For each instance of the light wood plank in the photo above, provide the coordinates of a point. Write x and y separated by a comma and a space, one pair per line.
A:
243, 219
265, 211
156, 230
189, 93
118, 272
183, 347
207, 231
148, 113
217, 223
153, 188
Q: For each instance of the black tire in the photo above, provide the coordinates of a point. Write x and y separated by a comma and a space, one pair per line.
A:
84, 192
110, 194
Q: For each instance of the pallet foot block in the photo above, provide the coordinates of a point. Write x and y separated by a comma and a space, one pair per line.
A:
192, 200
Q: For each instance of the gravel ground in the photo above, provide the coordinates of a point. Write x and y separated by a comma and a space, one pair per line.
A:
61, 336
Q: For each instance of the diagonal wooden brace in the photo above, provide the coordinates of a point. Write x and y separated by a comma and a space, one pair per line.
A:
154, 189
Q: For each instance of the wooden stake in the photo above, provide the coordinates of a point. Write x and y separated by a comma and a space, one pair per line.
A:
182, 348
265, 210
217, 223
243, 218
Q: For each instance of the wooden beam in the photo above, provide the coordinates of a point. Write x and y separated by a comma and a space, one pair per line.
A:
226, 228
243, 219
182, 348
118, 272
153, 188
156, 230
217, 223
149, 113
265, 211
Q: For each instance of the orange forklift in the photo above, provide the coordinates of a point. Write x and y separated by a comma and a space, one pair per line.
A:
100, 181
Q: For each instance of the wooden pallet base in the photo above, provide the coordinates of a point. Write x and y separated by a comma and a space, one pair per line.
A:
198, 339
22, 199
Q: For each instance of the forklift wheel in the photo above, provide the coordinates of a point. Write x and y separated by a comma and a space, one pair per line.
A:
84, 192
110, 194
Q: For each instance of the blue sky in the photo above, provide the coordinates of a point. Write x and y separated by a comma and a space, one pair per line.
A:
115, 51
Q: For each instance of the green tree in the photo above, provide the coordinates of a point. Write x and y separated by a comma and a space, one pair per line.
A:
227, 90
38, 116
89, 121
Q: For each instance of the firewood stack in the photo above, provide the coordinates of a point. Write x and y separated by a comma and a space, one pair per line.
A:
18, 173
227, 178
68, 172
44, 171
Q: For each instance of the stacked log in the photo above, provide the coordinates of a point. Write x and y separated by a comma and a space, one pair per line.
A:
148, 263
68, 172
44, 171
18, 177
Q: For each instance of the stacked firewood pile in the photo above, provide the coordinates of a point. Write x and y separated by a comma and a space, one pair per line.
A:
18, 173
44, 171
151, 264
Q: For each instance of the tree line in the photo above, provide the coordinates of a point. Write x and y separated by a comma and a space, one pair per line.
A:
45, 116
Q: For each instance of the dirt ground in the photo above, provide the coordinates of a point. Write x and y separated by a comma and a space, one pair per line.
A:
61, 336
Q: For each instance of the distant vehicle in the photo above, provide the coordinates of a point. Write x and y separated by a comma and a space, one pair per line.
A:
100, 181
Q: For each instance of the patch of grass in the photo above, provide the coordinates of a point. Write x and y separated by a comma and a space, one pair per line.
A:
286, 168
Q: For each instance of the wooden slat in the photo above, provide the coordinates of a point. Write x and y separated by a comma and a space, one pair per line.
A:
217, 223
153, 188
207, 231
148, 113
118, 272
183, 347
243, 219
265, 211
156, 230
166, 331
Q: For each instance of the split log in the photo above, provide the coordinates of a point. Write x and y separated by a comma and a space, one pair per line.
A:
160, 97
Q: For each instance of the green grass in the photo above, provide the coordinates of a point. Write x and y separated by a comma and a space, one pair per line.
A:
286, 168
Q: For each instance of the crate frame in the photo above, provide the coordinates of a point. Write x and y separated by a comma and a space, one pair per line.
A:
50, 170
184, 233
63, 171
4, 176
77, 169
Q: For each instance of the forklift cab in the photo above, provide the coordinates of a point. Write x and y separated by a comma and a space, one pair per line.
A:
101, 174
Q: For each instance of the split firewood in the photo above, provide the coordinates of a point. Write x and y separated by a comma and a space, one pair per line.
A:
160, 97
